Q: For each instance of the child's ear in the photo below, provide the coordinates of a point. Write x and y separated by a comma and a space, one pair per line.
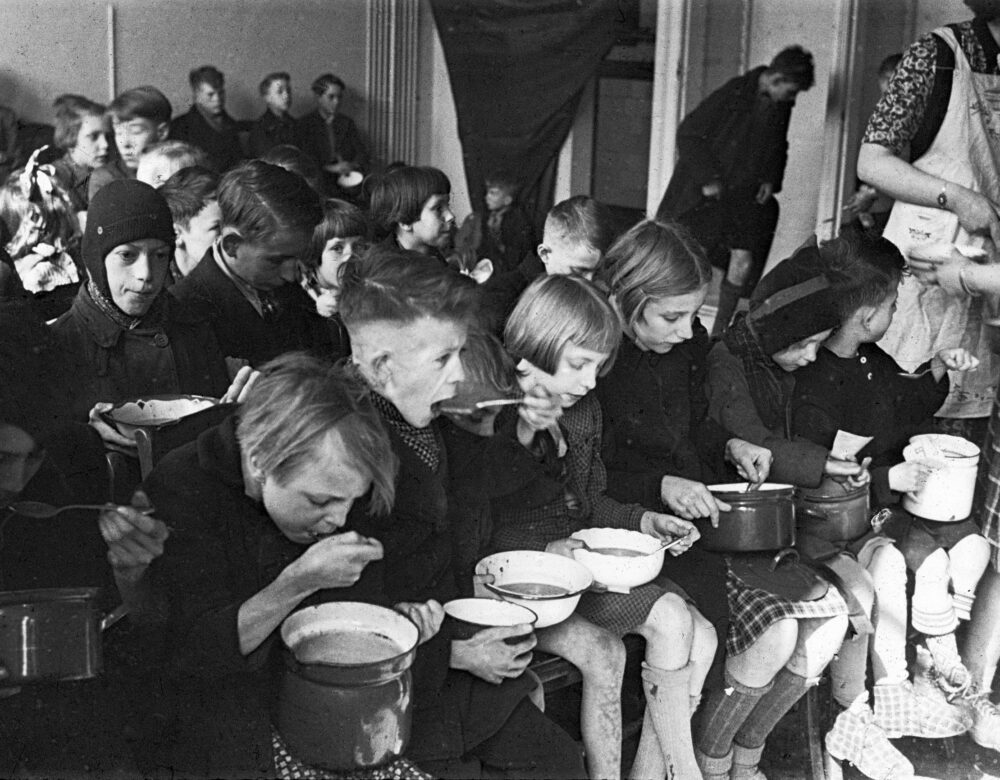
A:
179, 241
543, 253
865, 315
162, 130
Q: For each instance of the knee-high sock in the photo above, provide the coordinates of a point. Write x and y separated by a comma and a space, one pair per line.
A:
667, 704
724, 712
967, 561
788, 688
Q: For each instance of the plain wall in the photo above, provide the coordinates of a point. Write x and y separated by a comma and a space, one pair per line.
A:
51, 47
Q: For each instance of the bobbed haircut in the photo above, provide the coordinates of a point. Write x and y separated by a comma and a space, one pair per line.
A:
70, 113
207, 74
488, 364
270, 78
144, 102
796, 65
583, 221
400, 286
398, 197
340, 220
188, 191
867, 267
556, 310
324, 82
653, 260
299, 400
258, 199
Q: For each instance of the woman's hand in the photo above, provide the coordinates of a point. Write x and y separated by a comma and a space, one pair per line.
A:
336, 561
489, 657
564, 547
976, 213
538, 410
112, 439
134, 538
326, 303
427, 616
938, 264
690, 499
909, 476
241, 386
752, 462
664, 526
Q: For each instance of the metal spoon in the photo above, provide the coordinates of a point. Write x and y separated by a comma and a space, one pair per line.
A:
42, 511
625, 552
916, 375
448, 408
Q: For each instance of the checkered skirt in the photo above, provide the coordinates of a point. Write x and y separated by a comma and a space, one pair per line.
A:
287, 767
987, 507
753, 611
623, 613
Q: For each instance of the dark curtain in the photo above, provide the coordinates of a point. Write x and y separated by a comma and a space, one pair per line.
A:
517, 70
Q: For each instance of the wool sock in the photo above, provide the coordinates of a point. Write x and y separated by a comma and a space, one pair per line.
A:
788, 688
723, 713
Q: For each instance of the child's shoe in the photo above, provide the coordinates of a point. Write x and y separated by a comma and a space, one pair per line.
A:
856, 738
905, 710
985, 715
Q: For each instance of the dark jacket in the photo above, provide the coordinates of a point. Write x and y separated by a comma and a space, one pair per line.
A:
866, 396
501, 291
110, 171
75, 179
171, 351
240, 331
271, 130
735, 136
222, 146
656, 420
349, 145
506, 247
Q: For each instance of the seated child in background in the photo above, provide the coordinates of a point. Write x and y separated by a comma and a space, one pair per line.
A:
410, 209
140, 117
42, 237
81, 130
341, 235
275, 126
161, 161
293, 159
577, 233
191, 195
856, 387
563, 333
502, 233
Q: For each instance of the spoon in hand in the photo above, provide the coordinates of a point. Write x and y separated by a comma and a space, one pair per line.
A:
625, 552
42, 511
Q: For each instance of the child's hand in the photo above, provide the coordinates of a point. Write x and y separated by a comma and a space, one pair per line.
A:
835, 467
910, 476
427, 616
664, 526
957, 359
326, 303
564, 547
538, 411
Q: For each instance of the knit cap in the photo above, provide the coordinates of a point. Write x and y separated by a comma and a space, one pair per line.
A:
123, 210
794, 301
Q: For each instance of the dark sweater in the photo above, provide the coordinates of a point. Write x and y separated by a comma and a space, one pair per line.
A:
222, 146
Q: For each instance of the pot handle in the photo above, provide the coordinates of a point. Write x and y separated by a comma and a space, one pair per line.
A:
781, 555
114, 616
813, 513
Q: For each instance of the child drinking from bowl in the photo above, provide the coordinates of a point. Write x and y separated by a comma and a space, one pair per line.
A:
563, 333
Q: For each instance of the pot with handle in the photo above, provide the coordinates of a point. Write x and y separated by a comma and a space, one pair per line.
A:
948, 492
759, 520
346, 693
835, 511
52, 634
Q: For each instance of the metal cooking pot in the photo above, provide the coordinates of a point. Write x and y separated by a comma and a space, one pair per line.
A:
759, 520
52, 634
834, 511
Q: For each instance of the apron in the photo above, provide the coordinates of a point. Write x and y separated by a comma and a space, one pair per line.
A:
927, 318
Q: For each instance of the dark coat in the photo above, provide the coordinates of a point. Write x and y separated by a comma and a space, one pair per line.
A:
271, 130
502, 291
656, 420
350, 147
734, 136
171, 351
240, 331
222, 146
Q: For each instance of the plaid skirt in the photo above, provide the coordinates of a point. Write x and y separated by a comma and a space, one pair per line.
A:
287, 767
623, 613
987, 505
753, 611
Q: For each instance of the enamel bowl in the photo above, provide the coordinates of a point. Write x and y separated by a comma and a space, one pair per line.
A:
154, 411
549, 585
615, 572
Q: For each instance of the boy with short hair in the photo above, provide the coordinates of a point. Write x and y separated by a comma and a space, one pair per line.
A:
161, 161
576, 235
140, 117
191, 195
247, 282
502, 233
207, 125
275, 126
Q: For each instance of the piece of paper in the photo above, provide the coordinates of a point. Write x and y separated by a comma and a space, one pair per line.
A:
846, 446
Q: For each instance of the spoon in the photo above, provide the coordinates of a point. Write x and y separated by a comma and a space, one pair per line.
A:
42, 511
916, 375
625, 552
459, 408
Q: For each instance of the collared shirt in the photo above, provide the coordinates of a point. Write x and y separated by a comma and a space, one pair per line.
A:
246, 289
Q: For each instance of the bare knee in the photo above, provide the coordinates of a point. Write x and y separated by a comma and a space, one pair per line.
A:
704, 638
669, 617
888, 565
934, 569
